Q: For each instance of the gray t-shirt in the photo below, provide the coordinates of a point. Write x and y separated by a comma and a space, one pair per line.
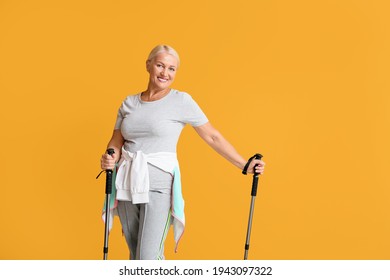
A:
155, 126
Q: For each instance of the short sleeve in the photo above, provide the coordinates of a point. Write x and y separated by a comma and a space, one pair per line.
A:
192, 113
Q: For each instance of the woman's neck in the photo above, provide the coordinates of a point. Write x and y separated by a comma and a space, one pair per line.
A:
154, 94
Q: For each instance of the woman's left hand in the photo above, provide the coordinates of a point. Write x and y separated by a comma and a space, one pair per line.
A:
258, 165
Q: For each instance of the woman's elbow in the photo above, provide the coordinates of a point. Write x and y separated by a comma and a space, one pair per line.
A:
208, 133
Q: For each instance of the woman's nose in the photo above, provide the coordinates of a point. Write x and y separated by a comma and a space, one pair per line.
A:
164, 72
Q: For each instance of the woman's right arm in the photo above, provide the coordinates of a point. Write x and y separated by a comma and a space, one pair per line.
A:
116, 143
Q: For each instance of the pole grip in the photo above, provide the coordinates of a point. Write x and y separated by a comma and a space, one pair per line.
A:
108, 181
255, 178
110, 151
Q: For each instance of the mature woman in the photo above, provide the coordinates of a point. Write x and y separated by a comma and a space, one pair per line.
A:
148, 126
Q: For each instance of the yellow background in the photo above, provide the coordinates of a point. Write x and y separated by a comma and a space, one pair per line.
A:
306, 83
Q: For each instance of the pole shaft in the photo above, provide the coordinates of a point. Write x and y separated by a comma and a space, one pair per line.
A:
106, 227
248, 233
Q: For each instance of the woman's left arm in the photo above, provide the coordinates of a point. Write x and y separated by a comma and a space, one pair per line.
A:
215, 139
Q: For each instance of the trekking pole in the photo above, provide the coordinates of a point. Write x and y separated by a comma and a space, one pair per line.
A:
110, 151
253, 194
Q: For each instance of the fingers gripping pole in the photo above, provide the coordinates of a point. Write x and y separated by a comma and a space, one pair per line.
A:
253, 194
108, 196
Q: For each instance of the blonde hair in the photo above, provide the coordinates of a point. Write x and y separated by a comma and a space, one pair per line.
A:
163, 48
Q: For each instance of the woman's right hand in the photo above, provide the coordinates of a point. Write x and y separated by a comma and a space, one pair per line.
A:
107, 162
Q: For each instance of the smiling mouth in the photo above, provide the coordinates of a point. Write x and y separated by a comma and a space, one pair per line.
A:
162, 80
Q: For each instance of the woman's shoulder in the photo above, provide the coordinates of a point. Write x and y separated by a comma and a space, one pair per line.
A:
181, 95
129, 102
132, 98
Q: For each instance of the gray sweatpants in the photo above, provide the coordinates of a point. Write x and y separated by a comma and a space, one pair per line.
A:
145, 226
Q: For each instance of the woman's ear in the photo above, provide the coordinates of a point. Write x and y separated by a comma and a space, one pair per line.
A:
148, 66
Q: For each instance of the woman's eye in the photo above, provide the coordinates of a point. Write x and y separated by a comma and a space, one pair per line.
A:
172, 69
159, 65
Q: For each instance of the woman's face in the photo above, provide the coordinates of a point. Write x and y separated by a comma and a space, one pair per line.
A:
162, 70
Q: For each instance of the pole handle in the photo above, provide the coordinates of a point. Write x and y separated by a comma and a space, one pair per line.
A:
256, 156
255, 177
110, 151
